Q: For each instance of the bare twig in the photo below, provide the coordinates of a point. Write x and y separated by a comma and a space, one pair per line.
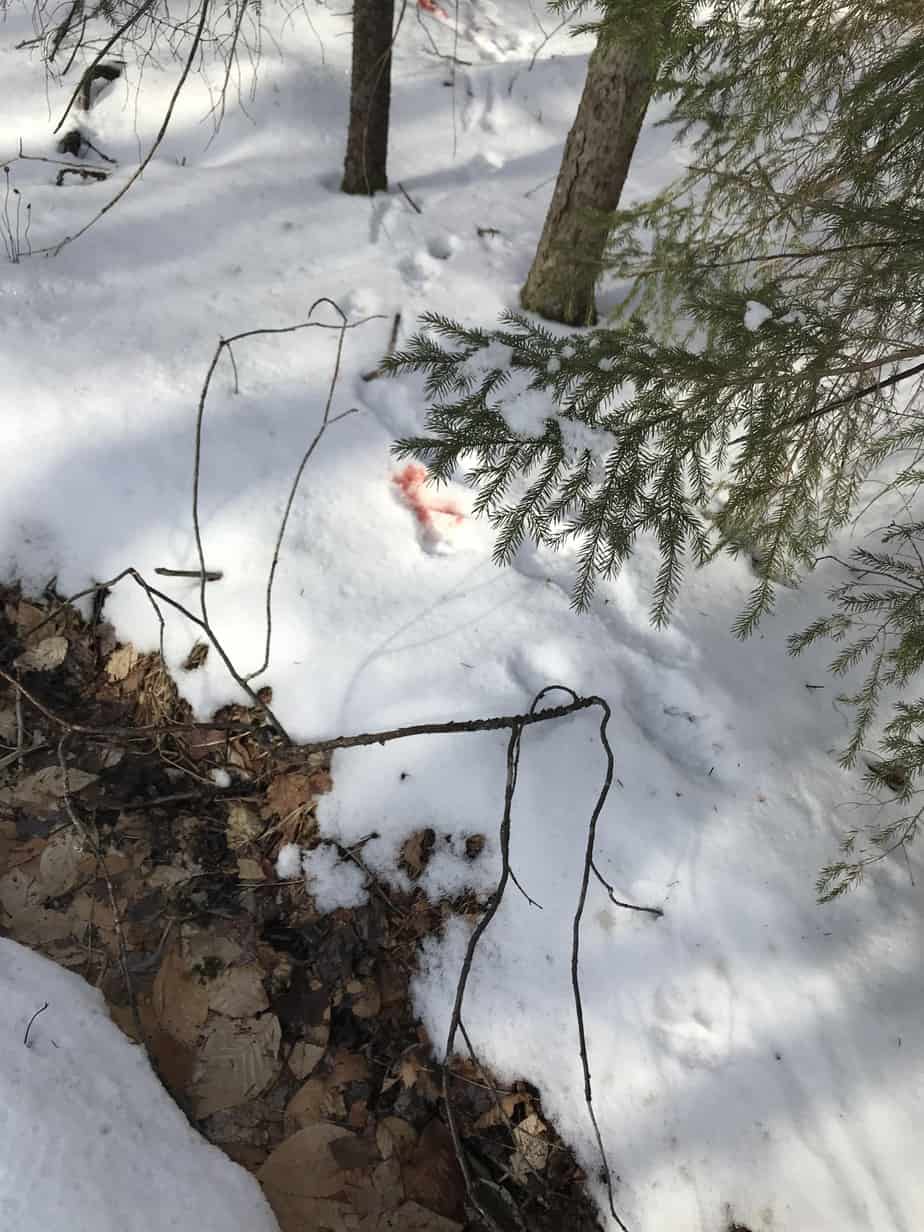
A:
655, 911
350, 853
20, 731
529, 192
62, 30
85, 836
392, 340
498, 1105
409, 199
225, 344
211, 575
513, 757
40, 1010
91, 841
168, 115
326, 421
501, 723
123, 949
532, 902
575, 956
550, 35
124, 732
132, 20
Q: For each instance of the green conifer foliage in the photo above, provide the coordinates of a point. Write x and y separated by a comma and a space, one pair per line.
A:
767, 355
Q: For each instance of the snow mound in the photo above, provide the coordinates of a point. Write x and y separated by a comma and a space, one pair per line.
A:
89, 1140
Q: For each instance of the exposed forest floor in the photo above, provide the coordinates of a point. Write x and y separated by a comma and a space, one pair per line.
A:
139, 849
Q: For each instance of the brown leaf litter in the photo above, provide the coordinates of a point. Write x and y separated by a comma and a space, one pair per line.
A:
288, 1037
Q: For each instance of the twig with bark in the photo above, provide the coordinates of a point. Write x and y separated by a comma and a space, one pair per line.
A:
225, 344
516, 725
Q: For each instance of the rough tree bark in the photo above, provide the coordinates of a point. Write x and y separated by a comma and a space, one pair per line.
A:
364, 170
560, 286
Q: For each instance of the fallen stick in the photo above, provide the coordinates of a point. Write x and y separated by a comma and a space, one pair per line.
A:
395, 326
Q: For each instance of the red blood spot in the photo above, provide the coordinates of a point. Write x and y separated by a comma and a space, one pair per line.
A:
430, 6
423, 501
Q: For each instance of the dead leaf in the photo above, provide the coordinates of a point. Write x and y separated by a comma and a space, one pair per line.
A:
320, 782
204, 949
319, 1032
196, 657
59, 865
410, 1217
349, 1067
365, 998
237, 1062
431, 1173
28, 616
8, 725
45, 656
416, 851
121, 662
474, 846
533, 1147
244, 825
286, 795
44, 788
354, 1152
414, 1071
252, 1158
7, 841
395, 1137
22, 903
383, 1194
250, 870
238, 992
204, 741
304, 1184
393, 981
304, 1057
508, 1105
87, 909
180, 1001
306, 1106
174, 1062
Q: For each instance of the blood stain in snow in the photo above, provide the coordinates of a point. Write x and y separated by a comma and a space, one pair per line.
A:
430, 511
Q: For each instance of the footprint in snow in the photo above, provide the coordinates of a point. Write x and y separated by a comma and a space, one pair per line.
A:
443, 246
419, 269
692, 1019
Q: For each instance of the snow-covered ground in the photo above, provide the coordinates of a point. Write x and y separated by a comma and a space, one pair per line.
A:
89, 1139
754, 1057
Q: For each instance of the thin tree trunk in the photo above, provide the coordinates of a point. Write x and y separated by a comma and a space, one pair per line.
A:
560, 286
364, 170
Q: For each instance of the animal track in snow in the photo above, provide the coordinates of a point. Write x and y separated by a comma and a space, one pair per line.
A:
482, 109
419, 269
692, 1018
444, 246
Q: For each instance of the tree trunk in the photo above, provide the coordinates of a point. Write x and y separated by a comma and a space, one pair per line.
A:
560, 286
370, 96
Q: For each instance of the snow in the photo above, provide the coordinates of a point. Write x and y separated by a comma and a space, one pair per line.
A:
753, 1055
89, 1139
755, 314
333, 882
289, 862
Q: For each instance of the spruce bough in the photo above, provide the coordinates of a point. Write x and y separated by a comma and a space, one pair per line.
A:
766, 359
